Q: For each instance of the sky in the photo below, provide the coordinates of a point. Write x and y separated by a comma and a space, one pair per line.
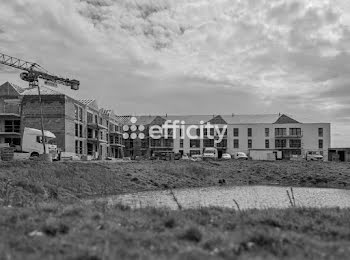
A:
192, 56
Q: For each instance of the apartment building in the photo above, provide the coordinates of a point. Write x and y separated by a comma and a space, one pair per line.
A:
242, 133
80, 126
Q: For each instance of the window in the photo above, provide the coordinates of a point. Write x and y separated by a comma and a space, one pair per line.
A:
39, 139
208, 142
211, 132
221, 130
76, 130
13, 141
143, 143
180, 133
267, 143
195, 143
198, 132
249, 132
13, 126
295, 143
181, 143
80, 114
280, 131
90, 133
78, 147
320, 132
76, 115
155, 142
280, 143
170, 133
90, 149
295, 131
80, 130
96, 119
250, 143
235, 143
267, 132
89, 117
235, 131
168, 142
222, 144
320, 144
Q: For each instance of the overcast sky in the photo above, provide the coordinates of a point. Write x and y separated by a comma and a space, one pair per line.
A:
192, 56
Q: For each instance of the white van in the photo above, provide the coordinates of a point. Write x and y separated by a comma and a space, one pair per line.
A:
210, 153
32, 142
313, 156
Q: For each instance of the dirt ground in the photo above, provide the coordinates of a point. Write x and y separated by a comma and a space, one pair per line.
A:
25, 182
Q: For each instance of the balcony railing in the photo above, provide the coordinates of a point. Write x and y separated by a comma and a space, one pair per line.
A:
6, 130
288, 135
10, 109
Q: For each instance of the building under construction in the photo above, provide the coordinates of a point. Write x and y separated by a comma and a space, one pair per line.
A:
81, 127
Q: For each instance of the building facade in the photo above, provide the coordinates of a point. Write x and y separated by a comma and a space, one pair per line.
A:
80, 126
240, 133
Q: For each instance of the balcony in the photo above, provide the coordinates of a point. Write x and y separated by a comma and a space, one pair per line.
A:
114, 132
291, 136
10, 131
10, 110
96, 125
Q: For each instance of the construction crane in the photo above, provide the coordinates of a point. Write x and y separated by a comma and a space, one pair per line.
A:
32, 72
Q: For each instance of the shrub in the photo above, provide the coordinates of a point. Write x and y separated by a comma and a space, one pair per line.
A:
192, 234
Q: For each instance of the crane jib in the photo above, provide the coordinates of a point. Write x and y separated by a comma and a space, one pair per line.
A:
32, 71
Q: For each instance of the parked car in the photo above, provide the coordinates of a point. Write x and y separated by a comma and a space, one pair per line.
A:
313, 156
196, 157
210, 153
177, 156
240, 156
226, 156
185, 157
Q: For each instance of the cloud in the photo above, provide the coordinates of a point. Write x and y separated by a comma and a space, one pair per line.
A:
277, 55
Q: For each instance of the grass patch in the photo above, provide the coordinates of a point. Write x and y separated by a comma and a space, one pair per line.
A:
115, 233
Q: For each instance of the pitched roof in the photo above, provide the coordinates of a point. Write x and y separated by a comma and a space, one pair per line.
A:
214, 119
125, 120
218, 120
86, 101
92, 103
251, 119
16, 90
283, 119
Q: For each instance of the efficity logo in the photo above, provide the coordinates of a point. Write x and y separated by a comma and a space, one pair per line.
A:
169, 129
133, 131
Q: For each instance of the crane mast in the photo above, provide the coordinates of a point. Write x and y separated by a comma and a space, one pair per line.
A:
32, 72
